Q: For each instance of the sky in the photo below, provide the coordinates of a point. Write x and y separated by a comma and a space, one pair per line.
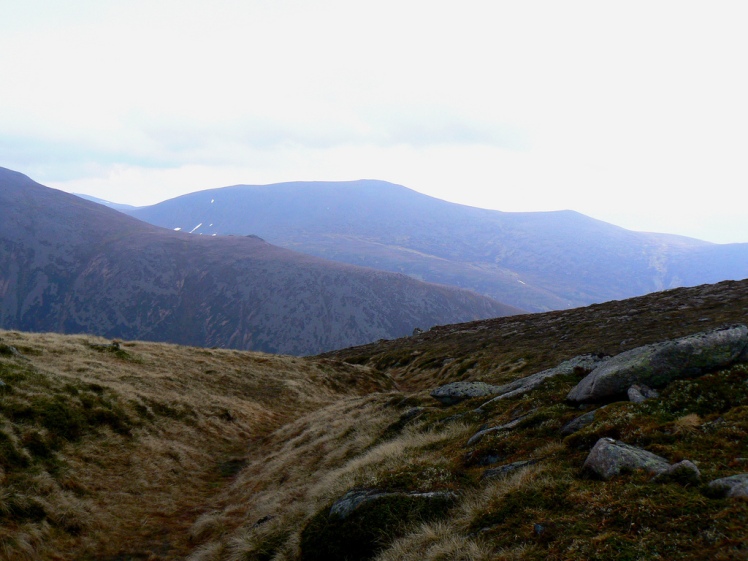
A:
632, 112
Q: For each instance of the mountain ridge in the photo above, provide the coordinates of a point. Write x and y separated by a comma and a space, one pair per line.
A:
71, 265
534, 261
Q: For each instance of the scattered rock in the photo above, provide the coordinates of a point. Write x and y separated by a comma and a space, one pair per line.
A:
684, 472
731, 487
510, 425
456, 392
609, 458
660, 363
348, 503
9, 351
580, 422
345, 505
582, 364
503, 471
639, 393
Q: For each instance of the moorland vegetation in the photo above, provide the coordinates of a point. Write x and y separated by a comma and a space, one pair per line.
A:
151, 451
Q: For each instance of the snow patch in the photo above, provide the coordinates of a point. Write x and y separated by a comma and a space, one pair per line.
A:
519, 281
212, 201
196, 227
177, 229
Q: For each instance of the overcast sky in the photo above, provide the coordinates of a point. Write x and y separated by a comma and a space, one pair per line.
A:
635, 113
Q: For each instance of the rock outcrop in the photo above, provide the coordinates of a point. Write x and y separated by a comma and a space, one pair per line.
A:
656, 365
731, 487
609, 458
456, 392
348, 503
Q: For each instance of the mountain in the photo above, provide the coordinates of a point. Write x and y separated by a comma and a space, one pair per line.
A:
115, 206
72, 266
537, 261
142, 450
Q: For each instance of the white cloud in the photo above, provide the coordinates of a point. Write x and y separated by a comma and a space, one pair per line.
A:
630, 112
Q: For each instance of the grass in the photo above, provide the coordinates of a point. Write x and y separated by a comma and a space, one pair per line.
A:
166, 452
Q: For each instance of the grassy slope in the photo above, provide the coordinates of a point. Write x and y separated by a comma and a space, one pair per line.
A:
109, 454
184, 482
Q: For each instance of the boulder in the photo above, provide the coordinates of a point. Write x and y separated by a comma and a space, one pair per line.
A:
656, 365
684, 472
348, 503
456, 392
503, 471
582, 364
507, 426
580, 422
732, 487
609, 458
639, 393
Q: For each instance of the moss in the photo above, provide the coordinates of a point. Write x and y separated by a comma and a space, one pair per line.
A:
368, 529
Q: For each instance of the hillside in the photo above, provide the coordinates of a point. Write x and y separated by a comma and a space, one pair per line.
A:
72, 266
149, 451
536, 261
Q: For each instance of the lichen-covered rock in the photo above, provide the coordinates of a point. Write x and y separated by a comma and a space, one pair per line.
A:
684, 472
348, 503
609, 458
503, 471
456, 392
660, 363
580, 422
579, 364
732, 487
371, 519
639, 393
506, 426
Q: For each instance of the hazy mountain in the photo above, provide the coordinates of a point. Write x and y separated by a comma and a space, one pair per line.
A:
69, 265
110, 204
534, 260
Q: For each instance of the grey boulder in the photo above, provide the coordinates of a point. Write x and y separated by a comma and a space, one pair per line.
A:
684, 472
656, 365
456, 392
639, 393
609, 458
579, 364
348, 503
732, 487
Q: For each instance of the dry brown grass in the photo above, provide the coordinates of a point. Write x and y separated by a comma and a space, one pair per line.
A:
197, 412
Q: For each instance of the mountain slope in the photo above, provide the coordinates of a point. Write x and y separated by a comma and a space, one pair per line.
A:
161, 452
535, 261
69, 265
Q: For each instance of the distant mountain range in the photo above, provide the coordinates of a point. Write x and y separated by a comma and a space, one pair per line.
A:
536, 261
73, 266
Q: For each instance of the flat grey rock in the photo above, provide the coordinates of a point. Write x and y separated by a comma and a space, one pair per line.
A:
609, 458
503, 471
507, 426
456, 392
580, 364
348, 503
580, 422
656, 365
684, 472
732, 487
